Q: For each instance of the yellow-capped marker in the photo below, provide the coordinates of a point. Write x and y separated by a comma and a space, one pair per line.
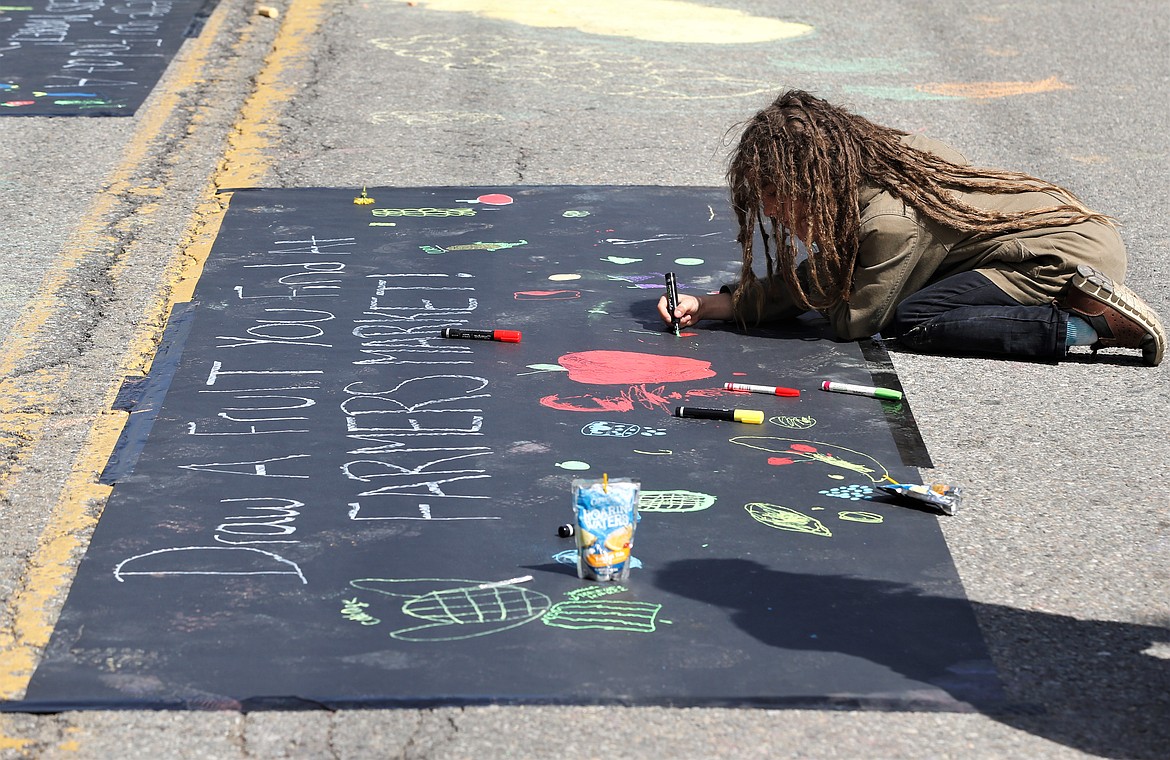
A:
750, 416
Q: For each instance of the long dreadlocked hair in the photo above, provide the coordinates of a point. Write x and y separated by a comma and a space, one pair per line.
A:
817, 154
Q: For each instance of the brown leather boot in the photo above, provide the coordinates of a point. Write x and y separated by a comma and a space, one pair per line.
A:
1120, 317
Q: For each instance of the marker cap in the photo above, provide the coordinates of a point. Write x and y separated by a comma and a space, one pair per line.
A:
507, 336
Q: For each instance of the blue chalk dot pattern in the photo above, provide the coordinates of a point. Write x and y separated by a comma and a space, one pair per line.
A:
851, 492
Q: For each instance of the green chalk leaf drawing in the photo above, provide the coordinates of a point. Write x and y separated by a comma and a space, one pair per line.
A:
457, 608
604, 614
674, 501
784, 518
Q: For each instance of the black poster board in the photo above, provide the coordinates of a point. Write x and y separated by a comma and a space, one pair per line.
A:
330, 491
89, 57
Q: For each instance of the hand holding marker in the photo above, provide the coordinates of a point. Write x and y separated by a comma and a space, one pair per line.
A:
672, 300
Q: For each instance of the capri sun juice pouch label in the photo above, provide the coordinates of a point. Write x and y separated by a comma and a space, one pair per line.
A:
606, 516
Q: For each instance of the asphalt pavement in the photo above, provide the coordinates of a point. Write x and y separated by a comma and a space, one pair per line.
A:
1064, 541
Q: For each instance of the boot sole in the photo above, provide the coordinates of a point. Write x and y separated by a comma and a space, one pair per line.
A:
1101, 288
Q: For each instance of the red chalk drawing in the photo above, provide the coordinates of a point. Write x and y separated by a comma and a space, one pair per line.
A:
546, 295
780, 460
495, 199
632, 368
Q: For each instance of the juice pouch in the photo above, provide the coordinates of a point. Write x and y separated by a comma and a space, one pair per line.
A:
945, 497
607, 513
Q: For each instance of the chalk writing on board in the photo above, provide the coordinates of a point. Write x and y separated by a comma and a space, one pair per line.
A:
206, 560
455, 609
254, 467
830, 454
355, 513
674, 501
784, 518
665, 237
270, 520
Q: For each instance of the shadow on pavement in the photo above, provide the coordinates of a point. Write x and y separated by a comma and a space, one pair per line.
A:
1087, 684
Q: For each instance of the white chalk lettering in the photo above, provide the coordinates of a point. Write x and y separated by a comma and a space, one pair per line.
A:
270, 519
284, 332
252, 468
207, 560
359, 512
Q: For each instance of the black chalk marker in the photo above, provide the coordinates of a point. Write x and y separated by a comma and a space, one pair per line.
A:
505, 336
751, 416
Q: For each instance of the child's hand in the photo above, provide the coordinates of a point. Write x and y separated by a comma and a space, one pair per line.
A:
692, 308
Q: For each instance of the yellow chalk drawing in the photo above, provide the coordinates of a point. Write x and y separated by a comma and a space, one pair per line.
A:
423, 212
783, 518
674, 501
981, 90
605, 615
355, 610
583, 67
793, 423
652, 20
861, 517
816, 451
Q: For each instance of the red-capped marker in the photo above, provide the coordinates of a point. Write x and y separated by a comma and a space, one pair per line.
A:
504, 336
772, 390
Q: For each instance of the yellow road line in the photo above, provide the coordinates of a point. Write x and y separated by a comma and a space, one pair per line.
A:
26, 404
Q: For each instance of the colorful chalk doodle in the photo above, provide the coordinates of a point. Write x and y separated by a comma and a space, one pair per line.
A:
574, 214
455, 608
633, 369
435, 249
604, 429
546, 295
423, 212
851, 492
783, 518
803, 451
458, 609
871, 518
674, 501
492, 199
793, 423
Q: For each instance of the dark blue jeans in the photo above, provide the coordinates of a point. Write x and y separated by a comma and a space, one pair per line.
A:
967, 314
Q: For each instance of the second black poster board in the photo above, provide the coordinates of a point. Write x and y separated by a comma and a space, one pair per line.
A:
89, 57
331, 493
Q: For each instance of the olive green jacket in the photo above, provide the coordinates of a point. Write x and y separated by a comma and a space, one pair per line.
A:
901, 251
